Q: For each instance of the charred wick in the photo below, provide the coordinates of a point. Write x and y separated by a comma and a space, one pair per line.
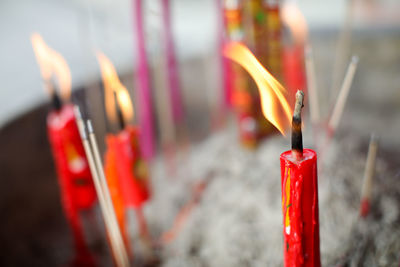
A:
297, 137
56, 101
119, 112
55, 98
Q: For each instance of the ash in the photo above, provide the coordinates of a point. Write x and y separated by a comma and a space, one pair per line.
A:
238, 220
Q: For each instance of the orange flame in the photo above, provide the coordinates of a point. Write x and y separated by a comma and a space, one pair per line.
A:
113, 84
52, 62
294, 19
273, 100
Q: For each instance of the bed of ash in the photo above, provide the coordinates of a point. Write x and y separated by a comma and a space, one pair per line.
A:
238, 220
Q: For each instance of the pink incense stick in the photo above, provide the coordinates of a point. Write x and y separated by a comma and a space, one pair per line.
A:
143, 85
172, 69
225, 62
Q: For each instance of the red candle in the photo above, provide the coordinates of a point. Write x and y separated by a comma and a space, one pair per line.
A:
300, 199
111, 173
126, 169
127, 178
298, 166
131, 168
300, 209
77, 190
76, 185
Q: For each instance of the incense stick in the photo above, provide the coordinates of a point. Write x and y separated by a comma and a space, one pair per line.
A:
143, 85
163, 107
343, 94
312, 86
171, 65
368, 176
109, 217
112, 231
107, 197
343, 46
183, 214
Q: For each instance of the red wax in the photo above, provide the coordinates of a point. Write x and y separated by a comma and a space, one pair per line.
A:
131, 168
300, 209
77, 190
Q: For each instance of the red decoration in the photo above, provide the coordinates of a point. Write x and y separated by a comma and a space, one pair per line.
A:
233, 75
76, 184
262, 35
300, 209
274, 41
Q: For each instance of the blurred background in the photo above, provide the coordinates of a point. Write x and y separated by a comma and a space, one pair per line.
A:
33, 230
77, 28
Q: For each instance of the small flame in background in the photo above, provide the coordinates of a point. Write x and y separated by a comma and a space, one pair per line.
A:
273, 101
52, 63
113, 84
295, 21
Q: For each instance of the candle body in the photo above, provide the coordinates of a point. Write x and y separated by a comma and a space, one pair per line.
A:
110, 170
76, 184
131, 168
300, 209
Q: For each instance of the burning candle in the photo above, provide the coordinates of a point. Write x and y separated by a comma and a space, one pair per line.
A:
298, 166
126, 171
300, 198
77, 190
101, 186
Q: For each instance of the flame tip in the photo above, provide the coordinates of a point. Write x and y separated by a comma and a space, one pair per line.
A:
272, 93
52, 63
115, 91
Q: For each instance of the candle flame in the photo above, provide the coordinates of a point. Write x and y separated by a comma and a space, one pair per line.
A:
52, 63
294, 19
273, 101
113, 84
